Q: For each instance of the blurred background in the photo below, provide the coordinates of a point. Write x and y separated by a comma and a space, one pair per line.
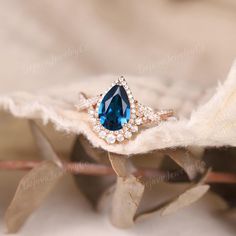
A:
45, 43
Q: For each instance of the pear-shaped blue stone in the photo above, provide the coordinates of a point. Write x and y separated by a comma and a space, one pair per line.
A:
114, 110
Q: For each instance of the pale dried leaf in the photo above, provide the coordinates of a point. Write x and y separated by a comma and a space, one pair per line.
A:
33, 188
197, 151
148, 213
121, 164
185, 199
161, 206
126, 199
191, 165
204, 176
103, 203
91, 186
172, 205
98, 155
45, 147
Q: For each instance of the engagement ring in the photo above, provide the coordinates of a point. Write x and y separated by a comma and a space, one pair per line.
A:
116, 116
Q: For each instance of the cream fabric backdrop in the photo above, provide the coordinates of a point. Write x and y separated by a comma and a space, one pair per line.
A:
49, 45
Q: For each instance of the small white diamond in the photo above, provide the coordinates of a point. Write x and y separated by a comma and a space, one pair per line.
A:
152, 118
120, 137
128, 134
133, 111
130, 96
133, 116
111, 138
172, 118
91, 112
138, 121
133, 105
97, 128
134, 129
128, 91
126, 87
125, 128
102, 134
94, 120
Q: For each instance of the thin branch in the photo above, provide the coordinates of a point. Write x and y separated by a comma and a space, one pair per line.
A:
220, 177
18, 165
72, 167
98, 169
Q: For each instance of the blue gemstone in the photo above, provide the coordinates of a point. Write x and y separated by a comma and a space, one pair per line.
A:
114, 110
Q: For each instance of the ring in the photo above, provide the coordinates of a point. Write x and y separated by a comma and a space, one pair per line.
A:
116, 115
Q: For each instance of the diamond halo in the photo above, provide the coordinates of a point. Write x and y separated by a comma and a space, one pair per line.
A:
126, 131
139, 115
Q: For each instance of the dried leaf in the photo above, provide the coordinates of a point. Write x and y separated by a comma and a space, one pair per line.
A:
121, 164
203, 178
197, 151
103, 203
45, 147
172, 205
126, 199
146, 214
161, 206
148, 160
185, 199
185, 159
98, 155
128, 193
91, 186
33, 188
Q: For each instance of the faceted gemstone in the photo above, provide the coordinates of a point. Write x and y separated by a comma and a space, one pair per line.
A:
128, 134
102, 134
111, 138
97, 128
120, 137
134, 129
114, 110
138, 121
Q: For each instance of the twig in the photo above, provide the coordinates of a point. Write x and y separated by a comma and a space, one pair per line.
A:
72, 167
98, 169
220, 177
